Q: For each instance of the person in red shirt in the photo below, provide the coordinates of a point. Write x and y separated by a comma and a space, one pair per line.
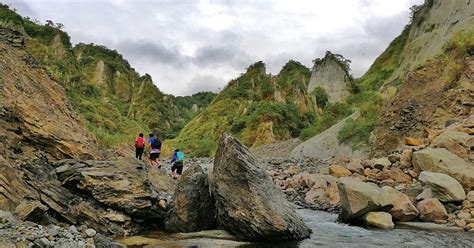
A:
139, 146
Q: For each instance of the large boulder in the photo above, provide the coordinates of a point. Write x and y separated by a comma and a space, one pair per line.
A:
442, 161
403, 209
431, 210
380, 220
359, 198
453, 141
248, 203
121, 185
59, 203
444, 187
192, 208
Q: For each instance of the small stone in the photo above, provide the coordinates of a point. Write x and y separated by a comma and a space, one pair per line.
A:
73, 229
339, 171
405, 158
470, 196
394, 157
82, 228
467, 204
400, 187
45, 242
413, 141
53, 231
413, 173
293, 170
91, 232
381, 163
464, 215
441, 222
90, 243
367, 163
426, 194
380, 220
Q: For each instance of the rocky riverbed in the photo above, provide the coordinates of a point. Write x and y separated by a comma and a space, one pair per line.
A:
429, 180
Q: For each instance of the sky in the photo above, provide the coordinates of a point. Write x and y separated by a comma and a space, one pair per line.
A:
190, 45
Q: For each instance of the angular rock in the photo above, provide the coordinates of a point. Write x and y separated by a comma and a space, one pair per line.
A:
470, 196
91, 232
458, 137
442, 161
380, 163
426, 194
453, 141
248, 203
119, 185
395, 174
339, 171
293, 169
66, 205
413, 142
359, 198
32, 211
431, 210
355, 167
192, 208
380, 220
403, 209
394, 157
324, 192
444, 187
405, 158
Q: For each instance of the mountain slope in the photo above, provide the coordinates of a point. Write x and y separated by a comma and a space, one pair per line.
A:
422, 41
257, 107
114, 100
433, 24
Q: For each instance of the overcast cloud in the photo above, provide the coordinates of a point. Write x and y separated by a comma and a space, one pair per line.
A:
189, 46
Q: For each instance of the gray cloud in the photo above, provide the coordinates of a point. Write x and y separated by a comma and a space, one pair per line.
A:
189, 46
153, 52
205, 83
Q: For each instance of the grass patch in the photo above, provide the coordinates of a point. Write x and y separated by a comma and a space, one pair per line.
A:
331, 114
357, 132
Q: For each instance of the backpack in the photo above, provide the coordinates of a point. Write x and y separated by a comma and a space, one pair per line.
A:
140, 143
156, 144
180, 156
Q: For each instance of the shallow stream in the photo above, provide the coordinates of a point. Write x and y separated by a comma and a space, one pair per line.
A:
327, 232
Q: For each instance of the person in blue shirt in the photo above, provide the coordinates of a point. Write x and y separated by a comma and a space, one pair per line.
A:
154, 148
178, 164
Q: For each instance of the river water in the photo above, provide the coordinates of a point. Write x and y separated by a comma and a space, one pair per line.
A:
327, 232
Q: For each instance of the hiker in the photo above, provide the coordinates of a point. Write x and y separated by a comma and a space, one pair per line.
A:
139, 146
178, 163
154, 149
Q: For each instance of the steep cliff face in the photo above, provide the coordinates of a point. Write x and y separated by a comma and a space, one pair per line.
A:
113, 99
433, 24
423, 75
331, 73
438, 93
257, 107
36, 119
36, 114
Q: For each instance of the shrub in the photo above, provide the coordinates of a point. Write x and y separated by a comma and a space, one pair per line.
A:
321, 97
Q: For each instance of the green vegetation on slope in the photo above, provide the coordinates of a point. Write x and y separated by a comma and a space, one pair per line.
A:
256, 107
114, 101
